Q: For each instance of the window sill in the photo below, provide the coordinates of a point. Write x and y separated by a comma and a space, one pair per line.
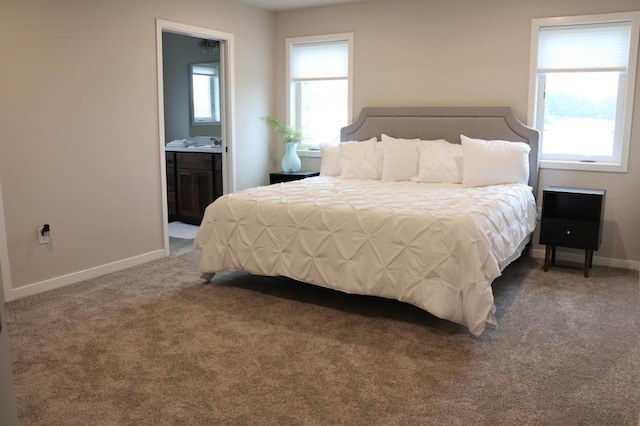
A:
308, 153
583, 166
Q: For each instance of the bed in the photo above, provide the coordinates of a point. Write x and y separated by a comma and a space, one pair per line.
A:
423, 205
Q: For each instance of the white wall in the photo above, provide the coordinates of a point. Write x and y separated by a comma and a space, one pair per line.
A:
79, 142
464, 52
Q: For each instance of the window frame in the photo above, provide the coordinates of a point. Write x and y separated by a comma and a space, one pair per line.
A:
536, 103
214, 92
290, 103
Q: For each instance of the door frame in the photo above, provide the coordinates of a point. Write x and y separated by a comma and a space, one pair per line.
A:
227, 119
4, 254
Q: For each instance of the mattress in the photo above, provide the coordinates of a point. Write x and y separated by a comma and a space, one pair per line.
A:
435, 246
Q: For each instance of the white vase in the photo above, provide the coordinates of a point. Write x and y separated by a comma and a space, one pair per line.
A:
291, 161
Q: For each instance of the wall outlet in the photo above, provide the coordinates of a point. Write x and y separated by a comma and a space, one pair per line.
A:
43, 235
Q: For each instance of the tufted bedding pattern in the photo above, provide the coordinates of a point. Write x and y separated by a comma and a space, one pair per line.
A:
436, 246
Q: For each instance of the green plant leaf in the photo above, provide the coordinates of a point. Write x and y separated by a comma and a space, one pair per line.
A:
288, 133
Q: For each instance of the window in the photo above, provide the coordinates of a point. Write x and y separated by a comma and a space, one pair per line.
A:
319, 87
582, 87
205, 93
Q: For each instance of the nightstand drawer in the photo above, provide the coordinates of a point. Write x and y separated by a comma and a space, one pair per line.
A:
570, 233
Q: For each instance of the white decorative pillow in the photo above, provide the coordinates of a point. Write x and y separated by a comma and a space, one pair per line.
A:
494, 162
330, 160
400, 158
361, 160
439, 162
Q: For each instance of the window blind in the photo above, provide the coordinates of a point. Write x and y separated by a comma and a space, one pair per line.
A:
593, 47
204, 69
322, 60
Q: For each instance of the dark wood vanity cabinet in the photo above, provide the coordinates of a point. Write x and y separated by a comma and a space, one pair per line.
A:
170, 159
196, 181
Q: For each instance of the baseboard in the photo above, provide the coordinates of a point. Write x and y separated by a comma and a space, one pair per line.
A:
75, 277
57, 282
597, 260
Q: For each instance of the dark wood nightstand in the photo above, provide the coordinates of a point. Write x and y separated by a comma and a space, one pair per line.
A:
571, 217
288, 177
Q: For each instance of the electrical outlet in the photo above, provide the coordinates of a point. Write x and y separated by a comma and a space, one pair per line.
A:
43, 236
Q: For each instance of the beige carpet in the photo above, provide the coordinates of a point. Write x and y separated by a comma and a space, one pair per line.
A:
153, 345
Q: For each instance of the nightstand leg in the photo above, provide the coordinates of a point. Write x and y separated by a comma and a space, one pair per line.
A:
553, 256
547, 252
588, 261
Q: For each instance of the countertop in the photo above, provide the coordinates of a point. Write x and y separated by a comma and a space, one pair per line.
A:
201, 149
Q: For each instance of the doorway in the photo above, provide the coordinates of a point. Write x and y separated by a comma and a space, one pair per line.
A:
197, 130
8, 410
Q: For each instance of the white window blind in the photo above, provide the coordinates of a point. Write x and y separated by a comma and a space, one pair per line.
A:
206, 69
325, 60
594, 47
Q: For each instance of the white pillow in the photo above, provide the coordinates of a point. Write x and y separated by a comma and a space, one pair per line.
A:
439, 162
361, 160
330, 160
400, 158
494, 162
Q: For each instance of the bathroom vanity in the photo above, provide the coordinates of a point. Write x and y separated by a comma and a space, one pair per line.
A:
194, 180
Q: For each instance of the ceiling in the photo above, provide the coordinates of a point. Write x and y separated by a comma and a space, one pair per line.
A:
293, 4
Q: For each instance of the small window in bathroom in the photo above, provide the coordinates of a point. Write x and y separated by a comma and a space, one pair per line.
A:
205, 93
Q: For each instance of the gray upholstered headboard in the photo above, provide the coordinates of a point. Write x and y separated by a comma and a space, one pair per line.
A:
446, 123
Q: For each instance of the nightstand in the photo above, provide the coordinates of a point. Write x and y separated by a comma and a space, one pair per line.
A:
571, 217
288, 177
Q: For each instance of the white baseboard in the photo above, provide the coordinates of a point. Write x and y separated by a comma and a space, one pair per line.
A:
86, 274
597, 260
75, 277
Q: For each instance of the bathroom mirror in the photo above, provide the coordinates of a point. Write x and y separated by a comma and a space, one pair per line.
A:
205, 93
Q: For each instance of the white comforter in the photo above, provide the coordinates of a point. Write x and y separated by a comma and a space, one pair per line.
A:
436, 246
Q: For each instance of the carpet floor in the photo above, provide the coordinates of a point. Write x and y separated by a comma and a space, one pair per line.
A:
154, 345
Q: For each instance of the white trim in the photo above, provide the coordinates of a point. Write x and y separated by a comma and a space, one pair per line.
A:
4, 252
586, 19
597, 260
227, 101
79, 276
582, 165
308, 153
295, 80
568, 70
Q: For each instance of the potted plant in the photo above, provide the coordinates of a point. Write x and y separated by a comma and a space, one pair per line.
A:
290, 136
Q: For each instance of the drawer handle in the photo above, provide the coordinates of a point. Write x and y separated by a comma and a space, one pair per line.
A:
568, 232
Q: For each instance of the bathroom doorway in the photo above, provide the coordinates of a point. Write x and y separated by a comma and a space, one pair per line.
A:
193, 126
